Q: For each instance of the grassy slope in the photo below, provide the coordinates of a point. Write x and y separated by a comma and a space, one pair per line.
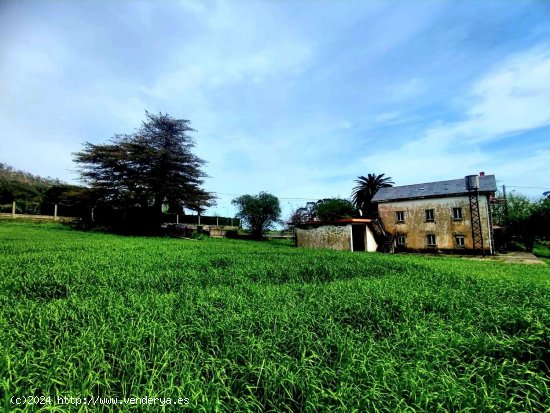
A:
243, 326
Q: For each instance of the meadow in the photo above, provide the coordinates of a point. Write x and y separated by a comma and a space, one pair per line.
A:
232, 325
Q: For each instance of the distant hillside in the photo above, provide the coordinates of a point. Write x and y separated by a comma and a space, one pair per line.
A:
10, 174
28, 190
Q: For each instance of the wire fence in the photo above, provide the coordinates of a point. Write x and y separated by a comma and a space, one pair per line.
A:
47, 211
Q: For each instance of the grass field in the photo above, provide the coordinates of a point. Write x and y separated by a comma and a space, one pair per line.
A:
542, 250
245, 326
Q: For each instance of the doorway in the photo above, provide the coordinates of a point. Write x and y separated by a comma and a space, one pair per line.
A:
358, 233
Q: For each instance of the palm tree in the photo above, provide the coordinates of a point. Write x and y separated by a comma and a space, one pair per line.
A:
366, 188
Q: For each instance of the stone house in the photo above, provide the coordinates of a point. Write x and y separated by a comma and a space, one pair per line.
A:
446, 216
352, 234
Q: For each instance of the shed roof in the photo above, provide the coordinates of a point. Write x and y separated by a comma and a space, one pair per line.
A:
487, 183
342, 221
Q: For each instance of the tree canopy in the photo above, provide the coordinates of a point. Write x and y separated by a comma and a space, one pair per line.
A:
26, 189
149, 168
327, 209
258, 212
524, 218
332, 209
366, 188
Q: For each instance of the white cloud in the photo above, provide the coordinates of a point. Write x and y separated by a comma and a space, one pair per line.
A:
511, 98
268, 87
514, 98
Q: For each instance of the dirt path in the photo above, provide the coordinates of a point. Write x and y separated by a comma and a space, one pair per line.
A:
518, 258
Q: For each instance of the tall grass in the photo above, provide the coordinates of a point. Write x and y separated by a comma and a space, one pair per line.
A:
242, 326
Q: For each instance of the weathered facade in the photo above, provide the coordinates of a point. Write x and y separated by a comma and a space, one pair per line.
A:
437, 216
347, 234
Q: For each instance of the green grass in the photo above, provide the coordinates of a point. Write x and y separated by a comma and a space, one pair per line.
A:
244, 326
542, 250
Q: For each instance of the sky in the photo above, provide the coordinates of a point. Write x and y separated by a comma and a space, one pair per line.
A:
296, 98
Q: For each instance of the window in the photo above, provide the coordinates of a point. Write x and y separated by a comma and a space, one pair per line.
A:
431, 240
457, 213
459, 240
400, 216
429, 215
401, 240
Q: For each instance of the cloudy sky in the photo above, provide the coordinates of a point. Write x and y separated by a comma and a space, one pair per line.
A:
296, 98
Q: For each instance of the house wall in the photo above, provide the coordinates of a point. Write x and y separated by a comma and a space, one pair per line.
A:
327, 236
370, 242
415, 228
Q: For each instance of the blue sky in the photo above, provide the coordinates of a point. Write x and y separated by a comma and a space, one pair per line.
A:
296, 98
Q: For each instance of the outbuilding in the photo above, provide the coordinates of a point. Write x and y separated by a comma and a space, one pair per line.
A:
352, 234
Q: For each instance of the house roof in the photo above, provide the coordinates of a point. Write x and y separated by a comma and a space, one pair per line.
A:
487, 183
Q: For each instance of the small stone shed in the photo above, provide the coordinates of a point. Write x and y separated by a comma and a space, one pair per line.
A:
351, 234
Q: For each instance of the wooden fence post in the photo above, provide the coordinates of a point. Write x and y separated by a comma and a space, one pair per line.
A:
13, 209
55, 212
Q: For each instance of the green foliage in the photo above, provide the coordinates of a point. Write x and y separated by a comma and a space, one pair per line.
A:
327, 210
527, 219
541, 217
366, 188
520, 209
10, 174
237, 326
151, 167
331, 209
26, 189
258, 212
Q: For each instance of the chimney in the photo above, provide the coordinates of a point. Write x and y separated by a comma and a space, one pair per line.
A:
482, 174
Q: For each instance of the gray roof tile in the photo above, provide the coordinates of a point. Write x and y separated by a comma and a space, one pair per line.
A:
487, 183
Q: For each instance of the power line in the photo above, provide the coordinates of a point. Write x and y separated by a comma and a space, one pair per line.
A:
318, 198
528, 187
280, 197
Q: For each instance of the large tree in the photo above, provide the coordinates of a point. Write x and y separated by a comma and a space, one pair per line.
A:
258, 212
366, 188
149, 168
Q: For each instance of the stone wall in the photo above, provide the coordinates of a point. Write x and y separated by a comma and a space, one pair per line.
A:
326, 236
